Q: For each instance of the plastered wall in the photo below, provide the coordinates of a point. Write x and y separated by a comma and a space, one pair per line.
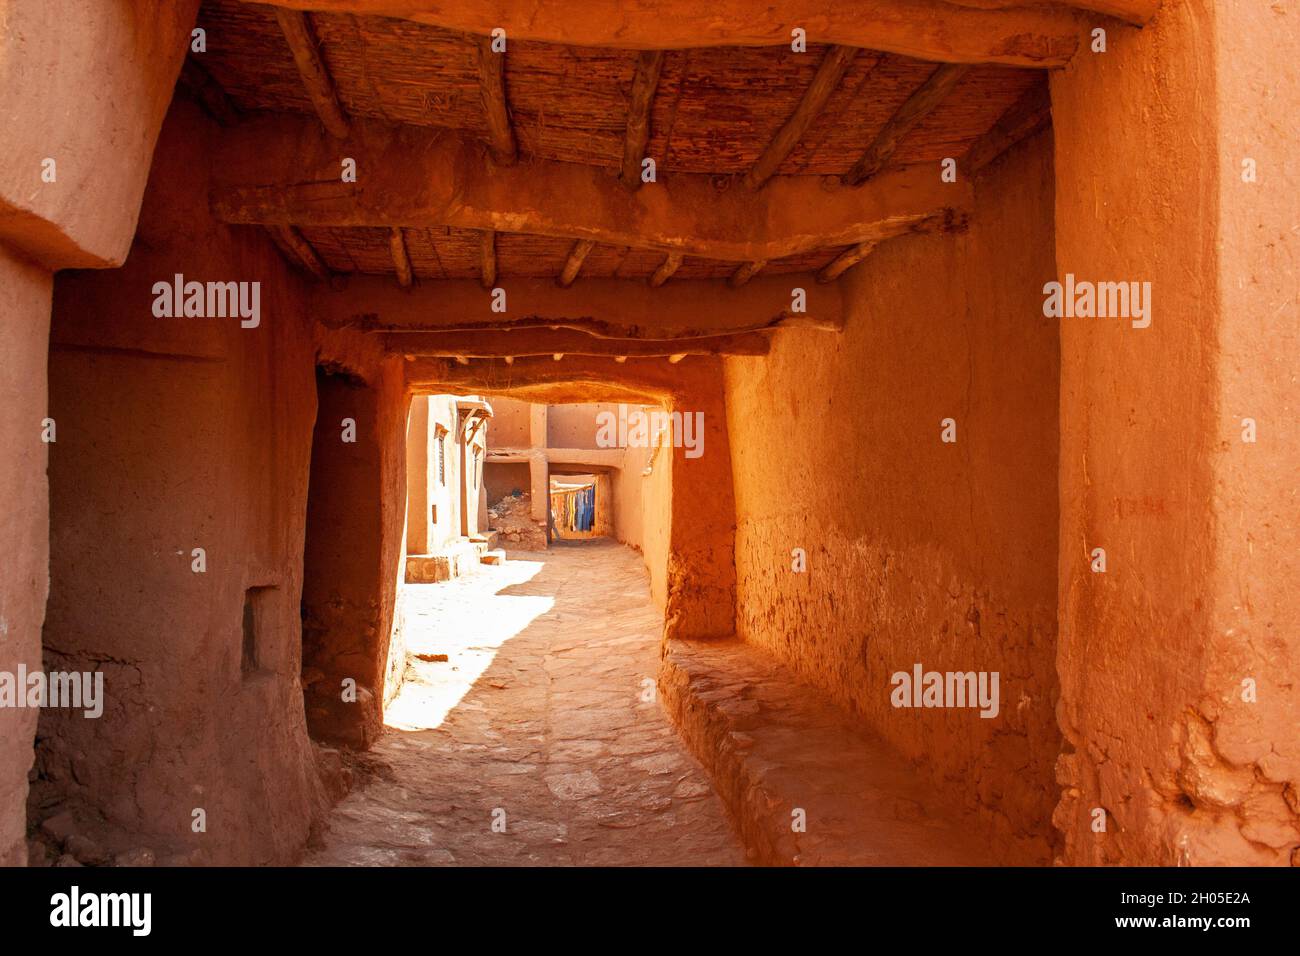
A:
70, 187
24, 330
917, 550
177, 434
1199, 525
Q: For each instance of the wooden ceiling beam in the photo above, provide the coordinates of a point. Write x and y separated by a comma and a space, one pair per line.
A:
833, 66
1029, 114
487, 258
603, 308
845, 261
645, 82
298, 250
1035, 33
401, 258
744, 272
521, 343
672, 262
917, 106
282, 170
496, 111
573, 263
315, 74
579, 378
208, 92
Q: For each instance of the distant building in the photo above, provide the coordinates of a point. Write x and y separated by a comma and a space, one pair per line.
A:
446, 510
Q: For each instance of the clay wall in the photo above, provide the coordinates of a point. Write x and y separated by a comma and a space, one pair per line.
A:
503, 477
71, 180
444, 486
510, 425
642, 506
917, 550
25, 290
575, 426
187, 433
178, 434
1198, 525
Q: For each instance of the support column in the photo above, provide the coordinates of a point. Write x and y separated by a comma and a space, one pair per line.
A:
701, 557
539, 473
1177, 663
417, 476
71, 182
24, 523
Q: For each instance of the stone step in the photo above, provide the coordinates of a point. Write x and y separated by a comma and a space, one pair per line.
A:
780, 753
443, 565
495, 556
487, 538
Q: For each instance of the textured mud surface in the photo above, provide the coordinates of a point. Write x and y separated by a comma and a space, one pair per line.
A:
538, 713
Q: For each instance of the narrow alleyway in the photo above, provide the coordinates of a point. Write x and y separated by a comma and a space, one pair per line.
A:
537, 711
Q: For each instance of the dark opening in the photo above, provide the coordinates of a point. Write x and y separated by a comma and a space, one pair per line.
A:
256, 602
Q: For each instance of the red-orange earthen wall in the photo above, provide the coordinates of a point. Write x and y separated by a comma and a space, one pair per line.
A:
920, 551
1199, 526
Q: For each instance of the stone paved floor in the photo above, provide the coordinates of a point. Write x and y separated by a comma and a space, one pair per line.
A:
537, 713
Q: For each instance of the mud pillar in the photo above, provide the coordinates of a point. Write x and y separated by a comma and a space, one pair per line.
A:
24, 522
701, 556
71, 181
539, 468
417, 477
1168, 759
352, 555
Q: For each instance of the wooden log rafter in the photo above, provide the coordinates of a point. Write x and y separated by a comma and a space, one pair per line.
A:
496, 111
1032, 33
834, 65
744, 272
490, 344
209, 93
845, 261
573, 263
917, 106
298, 250
401, 258
1029, 114
672, 262
649, 64
316, 77
487, 258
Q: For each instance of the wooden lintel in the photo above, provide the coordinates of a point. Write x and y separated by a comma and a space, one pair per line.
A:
1033, 33
553, 342
276, 169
